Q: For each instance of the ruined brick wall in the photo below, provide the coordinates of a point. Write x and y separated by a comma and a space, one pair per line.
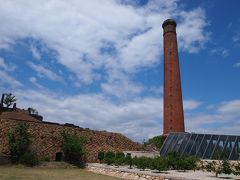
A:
46, 139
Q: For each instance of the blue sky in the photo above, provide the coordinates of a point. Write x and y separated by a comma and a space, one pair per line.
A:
99, 64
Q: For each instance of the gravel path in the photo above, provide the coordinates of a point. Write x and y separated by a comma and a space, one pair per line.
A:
172, 174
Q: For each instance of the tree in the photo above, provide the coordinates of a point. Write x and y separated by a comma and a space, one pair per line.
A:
129, 160
19, 141
100, 156
160, 164
119, 158
9, 99
73, 148
214, 167
236, 169
157, 141
109, 157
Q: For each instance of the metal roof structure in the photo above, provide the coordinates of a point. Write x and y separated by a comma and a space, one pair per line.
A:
204, 146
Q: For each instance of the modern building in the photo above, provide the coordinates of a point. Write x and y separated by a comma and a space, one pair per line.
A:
204, 146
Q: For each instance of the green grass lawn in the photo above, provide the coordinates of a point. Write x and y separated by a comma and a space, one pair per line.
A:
25, 173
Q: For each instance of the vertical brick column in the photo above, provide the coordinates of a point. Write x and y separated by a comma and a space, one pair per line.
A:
173, 116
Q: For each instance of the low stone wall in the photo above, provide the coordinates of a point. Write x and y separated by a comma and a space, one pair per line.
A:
128, 173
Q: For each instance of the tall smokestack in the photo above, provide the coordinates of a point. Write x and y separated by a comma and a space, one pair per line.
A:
173, 118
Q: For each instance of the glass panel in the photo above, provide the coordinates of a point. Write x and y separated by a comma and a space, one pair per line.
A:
203, 145
184, 143
228, 147
179, 142
210, 148
190, 144
196, 144
167, 144
234, 152
219, 147
238, 148
174, 143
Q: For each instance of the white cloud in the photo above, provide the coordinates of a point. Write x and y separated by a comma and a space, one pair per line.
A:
44, 72
220, 51
7, 67
191, 104
36, 54
137, 119
34, 81
9, 80
224, 118
84, 33
237, 65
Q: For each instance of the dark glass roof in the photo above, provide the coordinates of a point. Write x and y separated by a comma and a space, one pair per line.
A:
204, 146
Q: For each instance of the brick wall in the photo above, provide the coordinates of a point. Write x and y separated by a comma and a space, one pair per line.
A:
46, 139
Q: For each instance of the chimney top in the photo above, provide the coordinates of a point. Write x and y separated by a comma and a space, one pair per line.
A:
169, 21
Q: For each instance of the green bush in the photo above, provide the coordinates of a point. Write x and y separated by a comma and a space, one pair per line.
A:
109, 157
184, 162
174, 160
214, 167
160, 164
73, 148
29, 159
226, 167
219, 167
19, 142
46, 158
119, 159
100, 156
157, 141
236, 169
129, 160
143, 163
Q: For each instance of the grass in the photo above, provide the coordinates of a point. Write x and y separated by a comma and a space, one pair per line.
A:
25, 173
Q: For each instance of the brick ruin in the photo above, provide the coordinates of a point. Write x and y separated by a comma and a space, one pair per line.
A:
46, 136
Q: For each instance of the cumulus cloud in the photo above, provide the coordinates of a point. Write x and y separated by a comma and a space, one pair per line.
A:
7, 67
93, 35
7, 79
137, 119
223, 119
36, 54
44, 72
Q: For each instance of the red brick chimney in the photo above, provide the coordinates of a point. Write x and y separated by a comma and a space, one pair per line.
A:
173, 116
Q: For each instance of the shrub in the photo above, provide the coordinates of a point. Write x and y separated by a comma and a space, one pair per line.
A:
219, 167
178, 162
236, 169
174, 159
100, 156
214, 167
187, 163
143, 162
119, 158
29, 159
157, 141
129, 160
19, 142
160, 164
226, 167
109, 157
46, 158
73, 149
